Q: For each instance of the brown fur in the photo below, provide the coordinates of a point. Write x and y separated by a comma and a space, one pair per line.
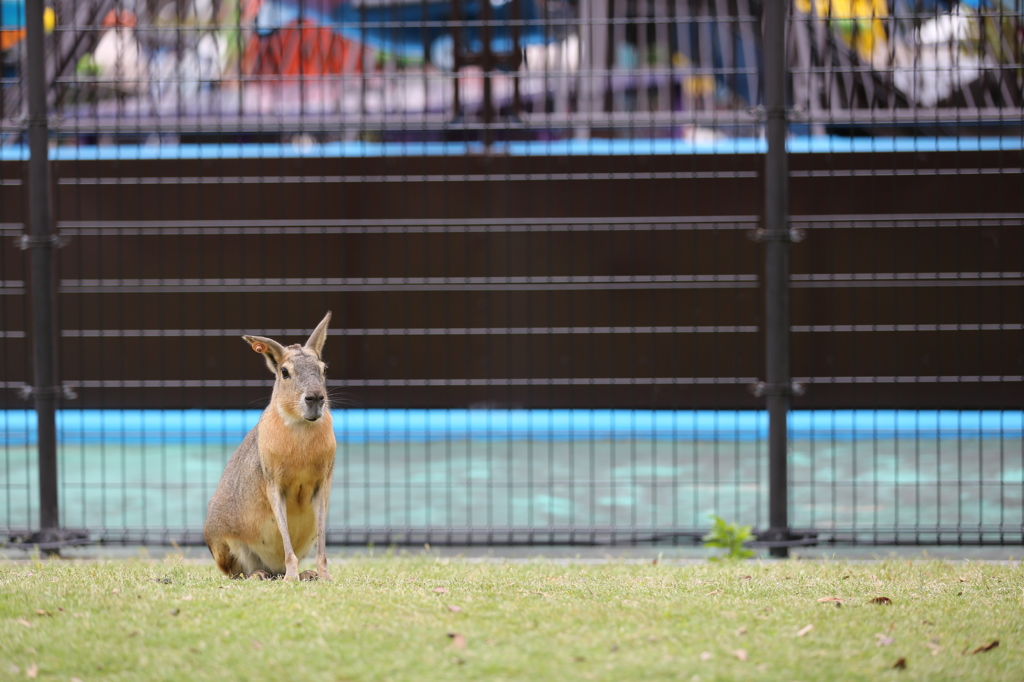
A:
271, 504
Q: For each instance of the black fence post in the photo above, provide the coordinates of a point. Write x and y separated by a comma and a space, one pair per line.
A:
777, 246
41, 243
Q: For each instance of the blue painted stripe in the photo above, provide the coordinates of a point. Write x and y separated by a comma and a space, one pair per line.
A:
18, 427
640, 147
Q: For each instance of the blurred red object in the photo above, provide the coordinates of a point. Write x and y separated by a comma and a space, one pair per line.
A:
119, 18
302, 47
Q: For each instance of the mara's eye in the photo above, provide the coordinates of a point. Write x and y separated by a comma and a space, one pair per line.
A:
285, 374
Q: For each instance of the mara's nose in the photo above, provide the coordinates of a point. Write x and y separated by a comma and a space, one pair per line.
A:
314, 398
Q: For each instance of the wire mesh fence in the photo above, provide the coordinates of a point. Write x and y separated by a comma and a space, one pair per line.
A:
542, 229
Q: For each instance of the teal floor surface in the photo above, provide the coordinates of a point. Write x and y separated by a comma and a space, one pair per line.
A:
643, 484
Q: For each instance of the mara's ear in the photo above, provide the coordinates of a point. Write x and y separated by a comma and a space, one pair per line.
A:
272, 351
319, 335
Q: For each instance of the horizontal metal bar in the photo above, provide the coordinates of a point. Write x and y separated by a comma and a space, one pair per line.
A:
802, 328
429, 383
499, 331
952, 379
943, 528
844, 280
214, 228
404, 178
534, 381
832, 116
11, 335
516, 177
906, 220
538, 482
903, 172
12, 287
406, 121
329, 123
405, 331
409, 484
258, 286
580, 535
516, 331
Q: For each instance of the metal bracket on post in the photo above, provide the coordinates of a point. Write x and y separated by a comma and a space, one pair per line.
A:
762, 389
27, 241
63, 391
760, 113
773, 538
793, 234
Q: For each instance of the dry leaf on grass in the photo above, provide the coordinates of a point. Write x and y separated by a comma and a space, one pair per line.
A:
458, 640
76, 679
441, 590
175, 612
454, 609
901, 664
256, 645
187, 597
741, 631
828, 599
32, 672
741, 654
805, 629
22, 621
988, 646
712, 592
881, 600
883, 640
934, 647
43, 612
705, 655
115, 591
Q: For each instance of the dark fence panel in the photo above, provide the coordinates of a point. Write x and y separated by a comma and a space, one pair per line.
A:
479, 288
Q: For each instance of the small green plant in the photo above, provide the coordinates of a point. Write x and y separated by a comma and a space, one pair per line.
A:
729, 536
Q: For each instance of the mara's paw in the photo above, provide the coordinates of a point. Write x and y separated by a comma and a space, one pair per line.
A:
260, 575
309, 575
325, 574
291, 576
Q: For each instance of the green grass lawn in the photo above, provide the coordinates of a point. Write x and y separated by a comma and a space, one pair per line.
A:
430, 618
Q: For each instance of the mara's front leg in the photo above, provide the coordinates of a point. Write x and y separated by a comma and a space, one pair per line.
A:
277, 502
320, 512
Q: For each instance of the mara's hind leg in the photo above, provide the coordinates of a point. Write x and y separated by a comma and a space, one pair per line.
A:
226, 560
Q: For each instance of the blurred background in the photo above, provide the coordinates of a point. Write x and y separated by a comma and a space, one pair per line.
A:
537, 225
160, 72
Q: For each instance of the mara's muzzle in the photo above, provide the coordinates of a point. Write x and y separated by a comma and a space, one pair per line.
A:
313, 405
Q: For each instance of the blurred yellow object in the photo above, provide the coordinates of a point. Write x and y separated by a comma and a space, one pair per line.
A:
699, 86
859, 22
9, 39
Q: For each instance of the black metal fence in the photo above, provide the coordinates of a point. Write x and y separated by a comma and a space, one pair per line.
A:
598, 269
